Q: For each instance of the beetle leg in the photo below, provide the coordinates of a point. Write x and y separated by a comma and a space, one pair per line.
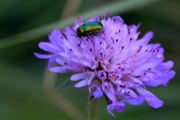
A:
90, 39
80, 41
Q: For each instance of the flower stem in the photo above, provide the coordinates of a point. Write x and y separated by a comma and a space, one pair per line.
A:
93, 109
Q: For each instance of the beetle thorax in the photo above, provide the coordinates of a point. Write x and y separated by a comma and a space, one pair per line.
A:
80, 31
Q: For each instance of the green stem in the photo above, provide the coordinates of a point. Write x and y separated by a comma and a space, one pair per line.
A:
93, 109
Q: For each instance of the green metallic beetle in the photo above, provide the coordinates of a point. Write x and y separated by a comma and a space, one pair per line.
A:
90, 28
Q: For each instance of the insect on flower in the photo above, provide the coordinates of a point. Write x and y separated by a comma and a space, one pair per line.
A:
91, 28
118, 65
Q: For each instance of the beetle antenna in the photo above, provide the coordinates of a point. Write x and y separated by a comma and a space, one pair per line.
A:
98, 18
80, 41
102, 37
105, 15
90, 39
80, 19
74, 33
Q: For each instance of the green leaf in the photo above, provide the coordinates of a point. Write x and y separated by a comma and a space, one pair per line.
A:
108, 101
113, 8
91, 98
66, 84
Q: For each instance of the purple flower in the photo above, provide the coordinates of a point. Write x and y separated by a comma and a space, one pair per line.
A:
115, 64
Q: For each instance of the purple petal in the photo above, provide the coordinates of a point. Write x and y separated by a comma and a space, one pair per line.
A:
119, 108
145, 40
97, 93
51, 61
155, 83
131, 93
48, 47
59, 69
115, 63
60, 61
55, 34
85, 63
102, 75
109, 91
136, 80
165, 66
42, 56
110, 108
81, 84
170, 74
117, 18
152, 100
114, 106
64, 55
79, 76
151, 63
135, 101
154, 79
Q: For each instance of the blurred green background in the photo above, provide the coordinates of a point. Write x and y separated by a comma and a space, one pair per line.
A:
29, 92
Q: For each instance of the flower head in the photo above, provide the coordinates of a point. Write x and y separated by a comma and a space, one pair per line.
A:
115, 64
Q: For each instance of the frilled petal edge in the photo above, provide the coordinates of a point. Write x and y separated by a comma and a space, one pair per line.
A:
135, 101
43, 56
